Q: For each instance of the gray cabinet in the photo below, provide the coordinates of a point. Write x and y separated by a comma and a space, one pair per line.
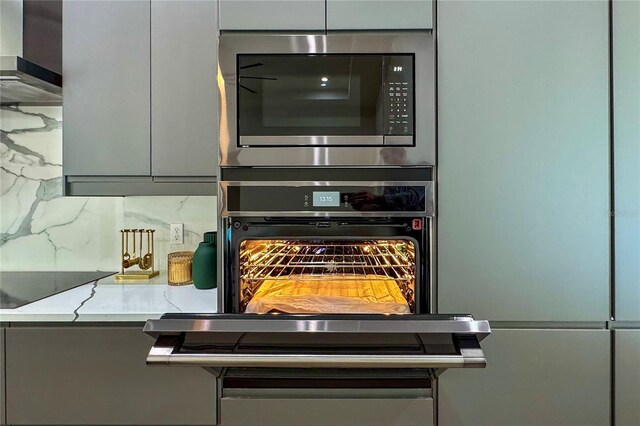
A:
523, 229
140, 97
627, 380
292, 408
106, 68
2, 379
272, 15
184, 99
379, 14
626, 110
92, 375
533, 378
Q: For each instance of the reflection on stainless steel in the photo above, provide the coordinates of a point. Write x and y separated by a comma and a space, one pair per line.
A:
232, 152
247, 141
430, 343
240, 323
285, 271
273, 360
429, 197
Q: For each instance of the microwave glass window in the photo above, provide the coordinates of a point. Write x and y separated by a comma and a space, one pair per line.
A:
325, 95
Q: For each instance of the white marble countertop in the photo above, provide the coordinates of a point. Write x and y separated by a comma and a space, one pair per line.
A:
111, 301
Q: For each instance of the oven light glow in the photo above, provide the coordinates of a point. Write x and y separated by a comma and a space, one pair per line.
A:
323, 84
324, 79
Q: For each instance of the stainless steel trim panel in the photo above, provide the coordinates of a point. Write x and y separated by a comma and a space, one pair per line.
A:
421, 44
264, 324
398, 140
247, 141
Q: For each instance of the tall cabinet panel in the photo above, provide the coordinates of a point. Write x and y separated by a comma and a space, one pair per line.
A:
106, 64
532, 378
626, 109
379, 14
184, 107
272, 15
627, 381
523, 160
3, 387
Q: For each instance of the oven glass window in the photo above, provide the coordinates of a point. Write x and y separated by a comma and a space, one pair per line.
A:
324, 95
298, 276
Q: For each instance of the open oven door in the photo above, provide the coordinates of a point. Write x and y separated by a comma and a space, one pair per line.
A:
431, 343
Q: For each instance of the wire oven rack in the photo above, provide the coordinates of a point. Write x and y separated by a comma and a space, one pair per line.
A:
313, 260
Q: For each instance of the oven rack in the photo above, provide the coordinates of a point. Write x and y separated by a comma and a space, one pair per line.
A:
273, 259
315, 261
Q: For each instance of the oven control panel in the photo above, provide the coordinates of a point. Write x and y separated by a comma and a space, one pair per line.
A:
260, 198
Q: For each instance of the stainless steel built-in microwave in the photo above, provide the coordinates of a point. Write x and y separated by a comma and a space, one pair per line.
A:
327, 100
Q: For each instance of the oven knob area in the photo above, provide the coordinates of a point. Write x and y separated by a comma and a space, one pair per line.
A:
237, 224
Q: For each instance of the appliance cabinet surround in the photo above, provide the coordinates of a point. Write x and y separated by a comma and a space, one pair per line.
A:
534, 377
627, 379
522, 236
96, 375
139, 115
321, 15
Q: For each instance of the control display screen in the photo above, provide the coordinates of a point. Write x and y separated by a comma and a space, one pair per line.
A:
326, 199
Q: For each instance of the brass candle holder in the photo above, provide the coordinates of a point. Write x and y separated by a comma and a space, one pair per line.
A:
145, 262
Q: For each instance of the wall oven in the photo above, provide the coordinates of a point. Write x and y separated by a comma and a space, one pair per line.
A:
326, 205
326, 285
339, 99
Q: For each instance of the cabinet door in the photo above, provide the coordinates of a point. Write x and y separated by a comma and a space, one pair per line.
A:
91, 376
272, 15
184, 99
523, 229
2, 379
627, 350
329, 410
379, 14
626, 113
106, 61
532, 378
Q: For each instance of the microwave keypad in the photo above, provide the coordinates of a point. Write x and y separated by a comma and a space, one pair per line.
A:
399, 108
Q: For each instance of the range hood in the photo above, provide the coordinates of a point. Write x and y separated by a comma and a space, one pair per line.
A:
31, 47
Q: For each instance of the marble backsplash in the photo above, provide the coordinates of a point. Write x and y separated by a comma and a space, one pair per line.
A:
42, 230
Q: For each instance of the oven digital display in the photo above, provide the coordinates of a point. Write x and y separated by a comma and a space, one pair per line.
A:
326, 199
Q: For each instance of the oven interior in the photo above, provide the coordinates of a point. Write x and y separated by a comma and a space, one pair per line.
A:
327, 276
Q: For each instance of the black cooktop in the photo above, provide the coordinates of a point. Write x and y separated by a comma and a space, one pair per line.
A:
20, 288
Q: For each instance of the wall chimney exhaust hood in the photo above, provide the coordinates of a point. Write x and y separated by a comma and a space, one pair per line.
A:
31, 52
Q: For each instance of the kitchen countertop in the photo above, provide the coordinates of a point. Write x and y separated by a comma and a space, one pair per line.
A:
111, 301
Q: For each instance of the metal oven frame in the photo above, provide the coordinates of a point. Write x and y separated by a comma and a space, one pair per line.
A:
351, 151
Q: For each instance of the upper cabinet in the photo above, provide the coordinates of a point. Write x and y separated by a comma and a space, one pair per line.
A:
106, 67
379, 14
523, 151
184, 97
272, 15
321, 15
140, 97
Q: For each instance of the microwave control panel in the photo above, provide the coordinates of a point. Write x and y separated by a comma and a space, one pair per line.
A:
398, 97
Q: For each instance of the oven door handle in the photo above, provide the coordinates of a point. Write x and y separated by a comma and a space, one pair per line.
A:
168, 354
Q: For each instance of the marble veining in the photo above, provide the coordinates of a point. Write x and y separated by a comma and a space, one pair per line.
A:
108, 300
42, 230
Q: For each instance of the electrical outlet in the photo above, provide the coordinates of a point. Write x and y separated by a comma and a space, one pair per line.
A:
177, 233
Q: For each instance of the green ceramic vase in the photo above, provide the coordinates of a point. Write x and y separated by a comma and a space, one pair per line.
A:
205, 270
